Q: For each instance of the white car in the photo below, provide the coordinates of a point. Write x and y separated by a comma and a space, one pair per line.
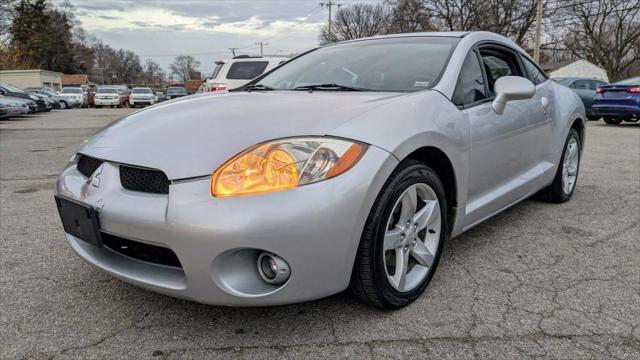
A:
73, 96
141, 96
234, 73
106, 97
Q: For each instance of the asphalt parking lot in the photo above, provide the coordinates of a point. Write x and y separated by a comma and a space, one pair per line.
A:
537, 281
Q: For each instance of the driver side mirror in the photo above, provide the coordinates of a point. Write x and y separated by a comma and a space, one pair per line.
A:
509, 88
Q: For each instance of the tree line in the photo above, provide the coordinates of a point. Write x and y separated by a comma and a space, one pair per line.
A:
34, 34
604, 32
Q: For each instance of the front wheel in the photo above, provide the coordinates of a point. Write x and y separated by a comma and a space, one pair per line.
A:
612, 121
63, 105
564, 183
402, 239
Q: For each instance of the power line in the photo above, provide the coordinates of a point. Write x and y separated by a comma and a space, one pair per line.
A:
329, 4
262, 44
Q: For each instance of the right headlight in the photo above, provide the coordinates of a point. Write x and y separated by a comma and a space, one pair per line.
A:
284, 164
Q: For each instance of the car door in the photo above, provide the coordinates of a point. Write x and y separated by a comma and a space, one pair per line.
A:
503, 147
541, 124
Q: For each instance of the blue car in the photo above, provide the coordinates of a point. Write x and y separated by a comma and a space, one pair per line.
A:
618, 102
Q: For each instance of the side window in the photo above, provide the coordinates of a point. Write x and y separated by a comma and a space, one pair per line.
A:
246, 70
498, 63
470, 85
535, 74
580, 85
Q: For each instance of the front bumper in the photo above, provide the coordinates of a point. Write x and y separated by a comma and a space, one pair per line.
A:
73, 102
316, 228
106, 102
141, 101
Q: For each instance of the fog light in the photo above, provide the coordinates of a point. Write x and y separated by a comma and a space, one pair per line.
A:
273, 269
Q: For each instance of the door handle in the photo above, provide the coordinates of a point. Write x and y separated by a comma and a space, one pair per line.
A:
545, 102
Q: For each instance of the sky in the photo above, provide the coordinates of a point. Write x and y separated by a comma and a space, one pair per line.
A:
162, 29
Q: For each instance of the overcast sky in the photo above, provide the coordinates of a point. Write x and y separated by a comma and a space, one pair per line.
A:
161, 29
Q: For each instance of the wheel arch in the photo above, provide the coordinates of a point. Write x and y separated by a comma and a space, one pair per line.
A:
436, 159
579, 126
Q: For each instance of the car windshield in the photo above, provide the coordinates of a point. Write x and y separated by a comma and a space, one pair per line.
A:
176, 91
12, 88
72, 91
141, 91
107, 91
631, 81
392, 64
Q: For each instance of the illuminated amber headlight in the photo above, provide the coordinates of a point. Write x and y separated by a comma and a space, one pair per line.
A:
284, 164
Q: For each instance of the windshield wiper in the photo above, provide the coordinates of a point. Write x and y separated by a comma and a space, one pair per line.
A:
329, 86
257, 87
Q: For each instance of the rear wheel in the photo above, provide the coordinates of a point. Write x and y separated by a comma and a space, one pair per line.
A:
402, 239
564, 183
612, 121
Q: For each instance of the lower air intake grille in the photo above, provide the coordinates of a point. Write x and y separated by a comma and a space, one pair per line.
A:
141, 251
144, 180
88, 165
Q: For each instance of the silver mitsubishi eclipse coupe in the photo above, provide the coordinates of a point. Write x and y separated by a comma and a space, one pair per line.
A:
347, 167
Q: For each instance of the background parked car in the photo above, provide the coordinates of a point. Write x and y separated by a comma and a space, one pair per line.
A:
124, 96
141, 96
234, 73
73, 96
13, 91
58, 101
176, 92
106, 96
12, 107
619, 101
160, 96
585, 88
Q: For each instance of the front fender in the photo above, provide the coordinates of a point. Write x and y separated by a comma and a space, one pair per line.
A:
424, 119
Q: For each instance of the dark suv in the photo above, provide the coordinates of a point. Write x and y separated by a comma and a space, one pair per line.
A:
9, 90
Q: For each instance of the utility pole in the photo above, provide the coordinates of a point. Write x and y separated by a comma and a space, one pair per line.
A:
261, 45
329, 4
233, 51
536, 51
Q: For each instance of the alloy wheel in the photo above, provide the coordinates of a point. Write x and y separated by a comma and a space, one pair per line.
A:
412, 237
570, 166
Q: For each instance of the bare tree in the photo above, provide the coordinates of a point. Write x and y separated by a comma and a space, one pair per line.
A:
357, 21
409, 16
183, 66
152, 72
604, 32
511, 18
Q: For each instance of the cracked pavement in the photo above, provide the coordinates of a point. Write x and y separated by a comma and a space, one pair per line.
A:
538, 281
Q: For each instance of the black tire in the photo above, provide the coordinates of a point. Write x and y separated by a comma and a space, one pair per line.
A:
593, 118
554, 192
369, 283
612, 121
63, 105
98, 106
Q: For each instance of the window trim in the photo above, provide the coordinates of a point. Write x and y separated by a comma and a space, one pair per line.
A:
497, 46
524, 59
475, 50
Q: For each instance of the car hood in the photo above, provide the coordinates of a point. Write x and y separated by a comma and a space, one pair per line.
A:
192, 136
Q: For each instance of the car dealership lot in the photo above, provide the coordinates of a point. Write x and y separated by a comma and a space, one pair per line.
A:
539, 280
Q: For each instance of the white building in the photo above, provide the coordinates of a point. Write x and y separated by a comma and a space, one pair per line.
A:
32, 78
575, 68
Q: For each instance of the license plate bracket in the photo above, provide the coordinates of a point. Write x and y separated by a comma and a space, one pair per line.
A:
79, 219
